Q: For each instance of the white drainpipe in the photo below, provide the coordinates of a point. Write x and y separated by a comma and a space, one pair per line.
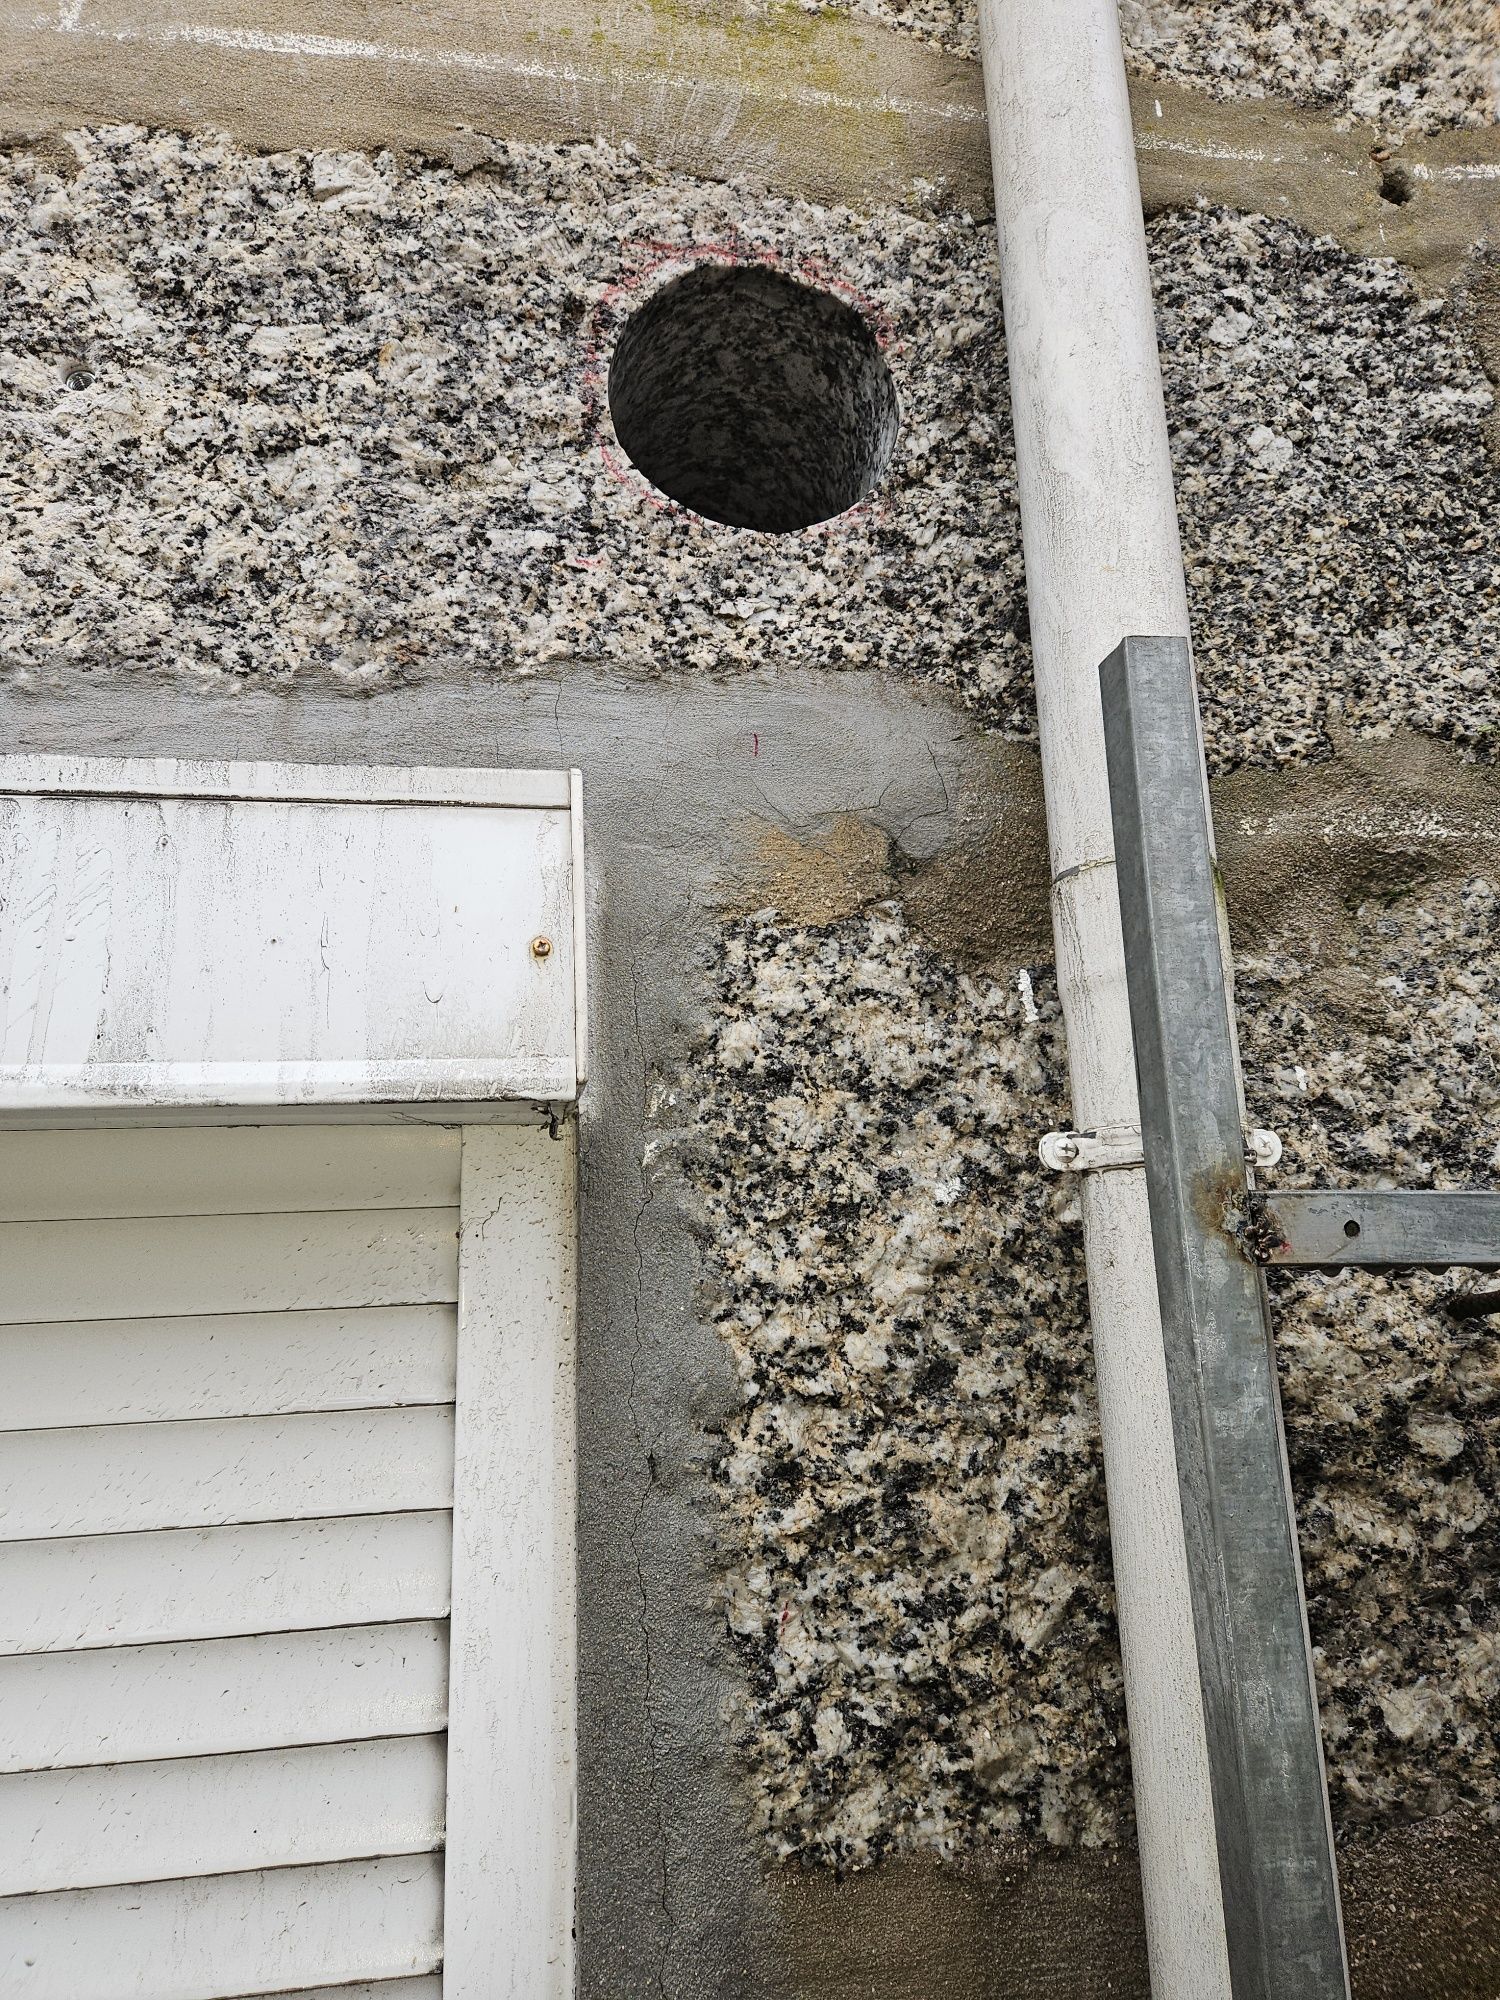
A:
1102, 560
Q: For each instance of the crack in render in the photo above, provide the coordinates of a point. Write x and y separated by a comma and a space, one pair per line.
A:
648, 1196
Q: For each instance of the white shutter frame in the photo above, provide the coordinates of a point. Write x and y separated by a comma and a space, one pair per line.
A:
509, 1888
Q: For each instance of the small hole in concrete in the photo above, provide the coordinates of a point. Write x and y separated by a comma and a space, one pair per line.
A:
753, 399
1395, 184
1351, 1227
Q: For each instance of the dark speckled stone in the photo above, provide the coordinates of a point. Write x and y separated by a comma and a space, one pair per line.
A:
919, 1587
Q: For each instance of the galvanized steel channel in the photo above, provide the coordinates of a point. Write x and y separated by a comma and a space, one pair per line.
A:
1380, 1229
1275, 1844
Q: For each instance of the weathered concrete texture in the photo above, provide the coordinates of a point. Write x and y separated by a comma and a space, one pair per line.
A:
982, 897
1426, 201
833, 109
1478, 300
1045, 1926
1303, 850
831, 106
263, 419
1421, 1910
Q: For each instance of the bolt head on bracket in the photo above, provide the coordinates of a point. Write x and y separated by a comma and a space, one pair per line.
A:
1262, 1149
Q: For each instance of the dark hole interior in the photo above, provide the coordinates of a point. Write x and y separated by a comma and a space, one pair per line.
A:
1396, 184
753, 399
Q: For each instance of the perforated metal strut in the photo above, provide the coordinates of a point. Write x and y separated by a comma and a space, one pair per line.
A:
1378, 1229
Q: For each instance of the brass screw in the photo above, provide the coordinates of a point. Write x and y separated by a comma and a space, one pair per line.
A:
541, 947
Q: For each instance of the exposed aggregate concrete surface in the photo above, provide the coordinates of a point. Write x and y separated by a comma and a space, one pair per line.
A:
351, 418
1384, 1070
1404, 66
335, 417
1340, 510
314, 414
922, 1595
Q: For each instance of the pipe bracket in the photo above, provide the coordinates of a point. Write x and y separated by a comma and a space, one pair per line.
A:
1092, 1152
1120, 1146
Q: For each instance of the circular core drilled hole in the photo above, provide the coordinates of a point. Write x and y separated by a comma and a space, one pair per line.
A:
753, 399
1351, 1227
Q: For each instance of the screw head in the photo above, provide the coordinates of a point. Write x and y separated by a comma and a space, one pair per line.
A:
78, 377
541, 947
1067, 1149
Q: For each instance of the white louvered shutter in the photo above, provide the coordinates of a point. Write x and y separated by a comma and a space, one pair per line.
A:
231, 1368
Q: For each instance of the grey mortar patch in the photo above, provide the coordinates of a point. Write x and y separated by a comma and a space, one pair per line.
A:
1301, 850
303, 450
916, 1569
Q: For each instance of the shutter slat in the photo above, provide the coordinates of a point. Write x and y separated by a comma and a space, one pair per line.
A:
118, 1269
106, 1823
208, 1697
121, 1590
233, 1170
118, 1371
377, 1989
212, 1937
125, 1478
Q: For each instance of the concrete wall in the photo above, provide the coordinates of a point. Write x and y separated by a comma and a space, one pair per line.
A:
309, 455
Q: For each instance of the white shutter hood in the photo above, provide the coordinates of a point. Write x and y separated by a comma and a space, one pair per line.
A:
196, 937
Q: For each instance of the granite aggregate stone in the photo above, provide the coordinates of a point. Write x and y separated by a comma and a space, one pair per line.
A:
1340, 509
344, 417
917, 1573
325, 415
1384, 1070
1402, 66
